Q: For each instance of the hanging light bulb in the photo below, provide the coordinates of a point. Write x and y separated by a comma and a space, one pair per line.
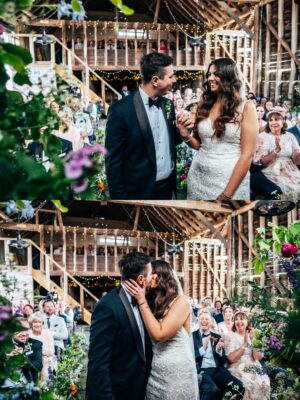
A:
44, 40
271, 208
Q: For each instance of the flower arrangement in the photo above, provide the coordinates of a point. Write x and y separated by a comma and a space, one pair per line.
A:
184, 160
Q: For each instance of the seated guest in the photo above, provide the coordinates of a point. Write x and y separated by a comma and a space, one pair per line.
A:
32, 349
295, 129
225, 327
268, 106
244, 360
279, 152
56, 325
260, 110
38, 332
210, 358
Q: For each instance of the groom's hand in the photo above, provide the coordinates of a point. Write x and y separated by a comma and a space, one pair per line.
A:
185, 124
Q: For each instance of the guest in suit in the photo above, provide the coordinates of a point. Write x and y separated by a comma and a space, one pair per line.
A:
210, 357
56, 325
295, 130
141, 136
120, 351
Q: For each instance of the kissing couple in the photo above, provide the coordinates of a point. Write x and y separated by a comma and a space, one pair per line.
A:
140, 338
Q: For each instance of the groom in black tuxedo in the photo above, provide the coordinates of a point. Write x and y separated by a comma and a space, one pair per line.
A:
210, 357
141, 136
120, 351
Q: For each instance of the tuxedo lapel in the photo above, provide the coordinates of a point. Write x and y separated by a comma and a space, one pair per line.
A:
133, 324
169, 125
144, 126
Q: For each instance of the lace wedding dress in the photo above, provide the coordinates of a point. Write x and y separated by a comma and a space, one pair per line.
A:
214, 162
173, 372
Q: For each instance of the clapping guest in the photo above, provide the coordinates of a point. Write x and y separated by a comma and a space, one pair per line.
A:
38, 332
244, 360
210, 359
56, 325
69, 134
279, 152
32, 349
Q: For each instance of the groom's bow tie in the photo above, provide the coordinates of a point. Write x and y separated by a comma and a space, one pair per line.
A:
205, 334
157, 102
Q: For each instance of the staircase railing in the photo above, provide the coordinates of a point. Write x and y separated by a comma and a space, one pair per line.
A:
68, 58
67, 277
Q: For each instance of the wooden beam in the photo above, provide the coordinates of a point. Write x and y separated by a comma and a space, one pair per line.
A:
267, 52
136, 219
294, 45
244, 209
253, 79
282, 42
200, 205
236, 18
211, 227
280, 27
157, 8
211, 270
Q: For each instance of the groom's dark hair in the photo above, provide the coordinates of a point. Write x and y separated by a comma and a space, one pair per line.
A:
154, 64
133, 264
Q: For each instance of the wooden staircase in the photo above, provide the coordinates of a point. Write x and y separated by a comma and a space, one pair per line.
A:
65, 70
40, 278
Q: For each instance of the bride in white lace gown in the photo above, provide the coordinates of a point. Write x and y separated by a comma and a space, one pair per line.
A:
227, 130
167, 319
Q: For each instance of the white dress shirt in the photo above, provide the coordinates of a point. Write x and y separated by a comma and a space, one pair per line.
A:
161, 138
208, 360
137, 316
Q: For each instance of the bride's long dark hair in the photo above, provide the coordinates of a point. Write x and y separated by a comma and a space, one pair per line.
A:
230, 85
160, 298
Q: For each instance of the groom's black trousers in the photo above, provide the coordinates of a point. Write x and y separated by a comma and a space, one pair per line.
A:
215, 384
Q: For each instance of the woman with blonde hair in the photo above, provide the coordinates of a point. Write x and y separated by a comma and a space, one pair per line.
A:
38, 332
68, 131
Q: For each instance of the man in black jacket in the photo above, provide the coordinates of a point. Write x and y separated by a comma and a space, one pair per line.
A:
32, 350
120, 350
141, 136
216, 380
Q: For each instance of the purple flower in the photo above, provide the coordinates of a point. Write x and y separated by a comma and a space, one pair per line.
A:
3, 335
80, 186
96, 148
73, 170
5, 312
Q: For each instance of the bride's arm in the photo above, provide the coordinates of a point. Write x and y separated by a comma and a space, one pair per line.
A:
162, 330
185, 125
249, 132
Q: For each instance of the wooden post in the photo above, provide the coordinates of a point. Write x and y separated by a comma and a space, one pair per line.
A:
95, 250
186, 269
105, 254
51, 247
186, 50
202, 274
65, 287
229, 258
47, 272
177, 47
115, 253
262, 224
294, 45
75, 249
81, 300
267, 51
42, 247
85, 249
64, 246
156, 246
105, 47
255, 51
95, 46
64, 41
280, 23
240, 249
207, 50
126, 49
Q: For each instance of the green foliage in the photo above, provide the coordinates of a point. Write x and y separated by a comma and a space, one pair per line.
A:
68, 382
184, 158
122, 7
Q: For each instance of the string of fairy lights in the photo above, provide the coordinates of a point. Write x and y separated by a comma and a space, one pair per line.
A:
96, 282
181, 75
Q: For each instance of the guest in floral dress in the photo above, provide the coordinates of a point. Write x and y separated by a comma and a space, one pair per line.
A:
244, 360
279, 151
